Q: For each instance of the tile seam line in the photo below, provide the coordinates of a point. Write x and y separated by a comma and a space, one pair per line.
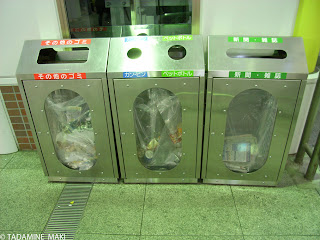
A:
25, 169
4, 167
210, 235
112, 234
277, 235
235, 205
144, 201
135, 235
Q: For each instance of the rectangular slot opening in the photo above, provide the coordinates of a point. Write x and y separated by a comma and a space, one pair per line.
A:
63, 55
256, 53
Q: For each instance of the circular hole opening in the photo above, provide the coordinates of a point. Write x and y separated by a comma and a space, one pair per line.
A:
134, 53
142, 34
177, 52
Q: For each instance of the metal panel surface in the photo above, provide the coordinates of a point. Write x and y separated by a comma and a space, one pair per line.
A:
95, 65
219, 63
91, 90
154, 56
223, 91
187, 90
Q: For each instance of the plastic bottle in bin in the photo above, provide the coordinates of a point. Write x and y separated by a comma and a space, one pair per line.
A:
148, 156
150, 149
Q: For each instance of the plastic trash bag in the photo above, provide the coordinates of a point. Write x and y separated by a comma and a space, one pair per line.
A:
250, 121
158, 125
71, 129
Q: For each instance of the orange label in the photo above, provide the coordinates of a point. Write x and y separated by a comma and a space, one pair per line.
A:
57, 76
65, 42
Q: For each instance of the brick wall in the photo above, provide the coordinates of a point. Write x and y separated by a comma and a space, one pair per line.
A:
18, 117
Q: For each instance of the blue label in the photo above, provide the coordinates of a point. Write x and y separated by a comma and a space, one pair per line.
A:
135, 74
132, 39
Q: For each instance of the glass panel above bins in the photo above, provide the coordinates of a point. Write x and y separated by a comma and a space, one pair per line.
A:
158, 129
70, 125
250, 121
172, 17
116, 18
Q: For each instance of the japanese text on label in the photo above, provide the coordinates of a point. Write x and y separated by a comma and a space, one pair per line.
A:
56, 76
258, 75
91, 29
132, 39
177, 74
177, 38
256, 39
135, 74
65, 42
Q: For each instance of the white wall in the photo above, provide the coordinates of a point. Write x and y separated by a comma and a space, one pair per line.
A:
21, 20
247, 17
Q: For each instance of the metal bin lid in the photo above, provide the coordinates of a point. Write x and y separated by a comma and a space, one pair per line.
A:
262, 57
94, 63
151, 56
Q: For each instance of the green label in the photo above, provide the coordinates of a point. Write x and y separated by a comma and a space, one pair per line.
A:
258, 75
177, 38
255, 39
177, 73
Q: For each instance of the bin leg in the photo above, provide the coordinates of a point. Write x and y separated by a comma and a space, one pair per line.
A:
314, 161
309, 123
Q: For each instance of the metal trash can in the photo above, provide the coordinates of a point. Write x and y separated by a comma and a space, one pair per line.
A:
157, 97
254, 93
62, 85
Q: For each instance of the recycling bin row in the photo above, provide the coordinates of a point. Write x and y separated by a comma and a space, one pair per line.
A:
142, 108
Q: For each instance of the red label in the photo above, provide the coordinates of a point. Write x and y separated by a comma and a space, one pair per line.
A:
92, 29
65, 42
57, 76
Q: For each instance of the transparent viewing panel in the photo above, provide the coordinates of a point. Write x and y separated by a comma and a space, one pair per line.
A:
250, 121
121, 18
71, 129
158, 129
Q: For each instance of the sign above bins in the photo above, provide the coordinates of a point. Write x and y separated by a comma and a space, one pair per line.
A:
254, 92
61, 82
158, 85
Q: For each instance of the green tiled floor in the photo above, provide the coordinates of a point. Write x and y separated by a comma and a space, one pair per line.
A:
114, 209
24, 160
189, 210
26, 198
5, 159
164, 211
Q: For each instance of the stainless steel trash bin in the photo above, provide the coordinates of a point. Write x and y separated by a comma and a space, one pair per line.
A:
255, 86
157, 97
61, 82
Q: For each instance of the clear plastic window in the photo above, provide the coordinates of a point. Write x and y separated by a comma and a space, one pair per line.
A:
250, 121
158, 129
69, 120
